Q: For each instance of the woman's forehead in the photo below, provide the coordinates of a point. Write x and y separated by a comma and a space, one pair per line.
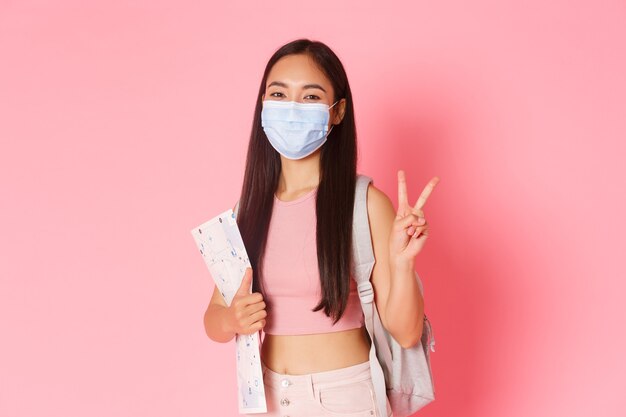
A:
297, 71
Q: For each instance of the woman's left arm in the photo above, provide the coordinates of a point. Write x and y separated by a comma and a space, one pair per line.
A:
397, 237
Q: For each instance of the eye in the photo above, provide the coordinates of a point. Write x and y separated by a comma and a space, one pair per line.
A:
313, 96
277, 92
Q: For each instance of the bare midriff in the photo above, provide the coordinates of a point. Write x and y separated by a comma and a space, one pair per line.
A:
309, 353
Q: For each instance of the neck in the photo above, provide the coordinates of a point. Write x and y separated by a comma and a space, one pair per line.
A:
299, 174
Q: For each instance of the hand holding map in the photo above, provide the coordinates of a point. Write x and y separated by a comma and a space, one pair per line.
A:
220, 243
248, 309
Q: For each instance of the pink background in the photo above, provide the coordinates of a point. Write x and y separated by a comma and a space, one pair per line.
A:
125, 124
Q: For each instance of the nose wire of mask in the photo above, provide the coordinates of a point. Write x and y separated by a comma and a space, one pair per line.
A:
294, 129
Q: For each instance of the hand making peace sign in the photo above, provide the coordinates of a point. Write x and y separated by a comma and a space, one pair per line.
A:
410, 229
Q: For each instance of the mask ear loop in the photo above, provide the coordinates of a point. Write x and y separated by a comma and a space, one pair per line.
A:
333, 125
328, 133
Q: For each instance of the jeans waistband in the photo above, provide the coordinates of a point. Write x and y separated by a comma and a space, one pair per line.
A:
353, 372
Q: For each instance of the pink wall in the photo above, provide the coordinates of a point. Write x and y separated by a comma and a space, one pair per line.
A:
122, 126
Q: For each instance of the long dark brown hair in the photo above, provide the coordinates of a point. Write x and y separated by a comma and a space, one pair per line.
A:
335, 194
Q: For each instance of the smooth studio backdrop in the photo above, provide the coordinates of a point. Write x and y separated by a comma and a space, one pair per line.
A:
125, 124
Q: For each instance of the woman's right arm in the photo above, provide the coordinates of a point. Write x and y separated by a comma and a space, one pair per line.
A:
215, 322
245, 315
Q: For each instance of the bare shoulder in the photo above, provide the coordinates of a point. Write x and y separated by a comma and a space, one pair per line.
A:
381, 215
379, 205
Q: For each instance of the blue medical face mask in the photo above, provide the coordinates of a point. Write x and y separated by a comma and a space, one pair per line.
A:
294, 129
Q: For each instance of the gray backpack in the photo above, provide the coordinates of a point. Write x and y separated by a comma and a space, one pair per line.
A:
401, 375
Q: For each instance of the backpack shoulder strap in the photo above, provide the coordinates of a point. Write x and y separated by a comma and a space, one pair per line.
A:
363, 258
363, 254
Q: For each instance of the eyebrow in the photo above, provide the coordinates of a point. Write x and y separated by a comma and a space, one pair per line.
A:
282, 84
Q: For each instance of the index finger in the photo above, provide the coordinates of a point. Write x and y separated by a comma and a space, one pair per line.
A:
426, 193
403, 200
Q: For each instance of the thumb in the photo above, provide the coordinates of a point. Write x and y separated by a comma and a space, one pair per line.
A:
246, 281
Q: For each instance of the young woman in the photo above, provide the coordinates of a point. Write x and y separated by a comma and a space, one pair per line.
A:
295, 217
